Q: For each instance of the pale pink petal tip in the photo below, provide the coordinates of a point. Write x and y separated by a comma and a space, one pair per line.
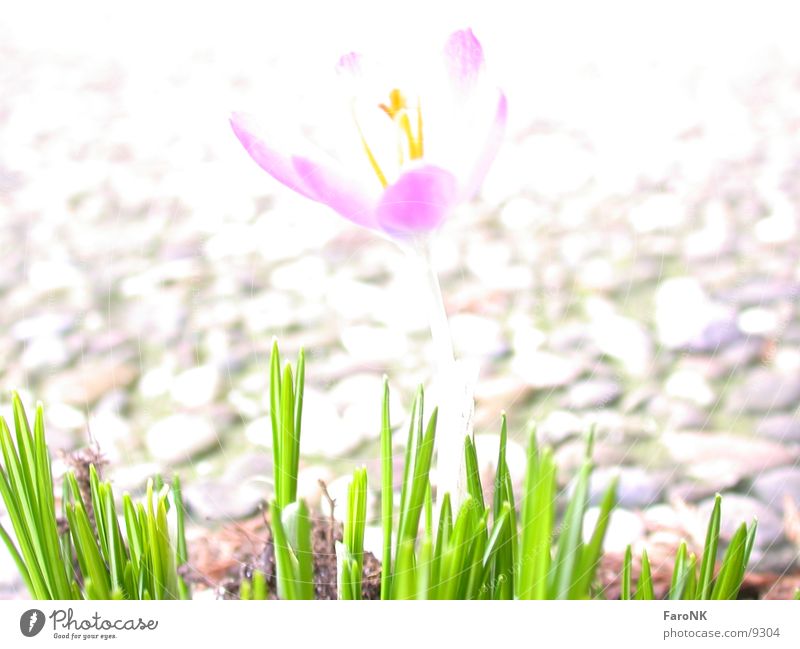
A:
349, 64
324, 182
277, 164
464, 59
489, 150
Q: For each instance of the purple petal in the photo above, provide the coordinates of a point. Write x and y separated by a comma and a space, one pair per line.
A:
321, 182
276, 163
417, 202
350, 65
464, 60
487, 154
337, 191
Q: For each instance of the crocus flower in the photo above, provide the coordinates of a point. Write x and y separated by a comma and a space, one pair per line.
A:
442, 140
419, 146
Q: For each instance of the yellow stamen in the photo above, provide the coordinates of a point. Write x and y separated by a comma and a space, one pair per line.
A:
420, 142
397, 110
372, 160
397, 103
405, 126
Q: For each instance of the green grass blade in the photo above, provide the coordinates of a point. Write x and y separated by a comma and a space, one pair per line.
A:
404, 580
730, 575
443, 533
283, 558
690, 590
570, 545
20, 502
25, 448
259, 585
593, 552
59, 561
644, 590
409, 525
538, 509
180, 516
299, 389
476, 581
710, 551
286, 474
245, 590
387, 493
18, 561
679, 574
304, 553
275, 409
496, 566
411, 452
474, 487
625, 591
424, 590
453, 557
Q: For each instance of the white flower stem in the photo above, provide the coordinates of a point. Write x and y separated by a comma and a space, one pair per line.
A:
437, 315
452, 385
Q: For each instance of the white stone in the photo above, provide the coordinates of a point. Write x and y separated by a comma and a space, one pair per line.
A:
308, 483
179, 437
487, 447
624, 528
780, 226
155, 382
46, 352
474, 335
658, 212
759, 321
134, 478
374, 344
307, 275
337, 490
110, 431
259, 432
559, 425
323, 432
683, 311
196, 387
689, 386
545, 370
522, 213
62, 415
625, 340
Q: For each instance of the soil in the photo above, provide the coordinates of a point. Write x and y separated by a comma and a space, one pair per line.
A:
754, 585
222, 561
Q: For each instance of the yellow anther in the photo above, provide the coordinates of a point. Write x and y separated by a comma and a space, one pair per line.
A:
397, 103
397, 110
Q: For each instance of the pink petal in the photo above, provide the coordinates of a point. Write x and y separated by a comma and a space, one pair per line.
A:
464, 60
321, 182
276, 163
350, 65
417, 202
487, 154
345, 196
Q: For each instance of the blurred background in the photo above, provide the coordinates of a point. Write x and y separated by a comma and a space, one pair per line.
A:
632, 261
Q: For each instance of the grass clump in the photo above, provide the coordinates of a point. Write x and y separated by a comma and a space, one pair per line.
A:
84, 554
516, 546
479, 550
